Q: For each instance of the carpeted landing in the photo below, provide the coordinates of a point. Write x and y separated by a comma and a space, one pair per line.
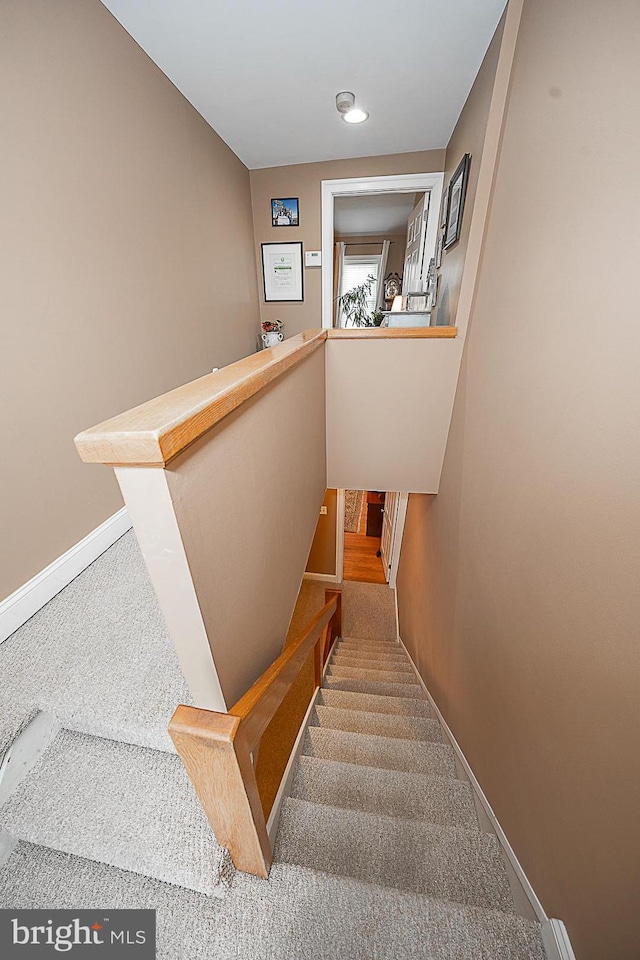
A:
379, 855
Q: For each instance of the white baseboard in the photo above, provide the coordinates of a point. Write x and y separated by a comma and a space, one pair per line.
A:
554, 933
537, 907
325, 577
556, 941
28, 599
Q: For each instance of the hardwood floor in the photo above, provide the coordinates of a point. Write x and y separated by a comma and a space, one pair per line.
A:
360, 561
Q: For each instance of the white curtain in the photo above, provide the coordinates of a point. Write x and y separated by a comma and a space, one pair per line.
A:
338, 267
384, 256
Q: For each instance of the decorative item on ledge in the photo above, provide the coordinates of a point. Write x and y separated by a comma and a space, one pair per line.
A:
271, 333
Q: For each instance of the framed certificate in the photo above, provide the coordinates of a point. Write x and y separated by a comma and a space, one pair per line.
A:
282, 272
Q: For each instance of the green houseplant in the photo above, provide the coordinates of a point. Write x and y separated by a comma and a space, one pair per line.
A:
355, 308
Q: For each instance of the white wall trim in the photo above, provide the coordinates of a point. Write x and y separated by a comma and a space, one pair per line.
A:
325, 577
555, 939
554, 933
340, 535
502, 837
7, 845
32, 596
356, 186
398, 533
25, 751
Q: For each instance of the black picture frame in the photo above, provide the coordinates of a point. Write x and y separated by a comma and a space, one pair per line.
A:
285, 212
282, 272
457, 194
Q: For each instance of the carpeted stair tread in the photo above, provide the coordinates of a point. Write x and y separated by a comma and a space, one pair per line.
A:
388, 753
98, 655
451, 863
378, 676
127, 806
355, 648
362, 663
296, 913
382, 688
377, 724
399, 794
374, 703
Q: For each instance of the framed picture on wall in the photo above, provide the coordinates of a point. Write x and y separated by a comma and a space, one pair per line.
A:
457, 193
285, 212
282, 272
444, 208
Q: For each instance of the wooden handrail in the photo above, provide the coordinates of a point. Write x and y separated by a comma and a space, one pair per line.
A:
392, 333
258, 706
216, 748
157, 431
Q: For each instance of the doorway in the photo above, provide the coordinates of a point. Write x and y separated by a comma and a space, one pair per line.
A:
363, 516
429, 185
369, 529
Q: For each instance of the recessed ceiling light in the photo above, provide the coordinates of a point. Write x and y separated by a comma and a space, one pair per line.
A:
346, 107
355, 116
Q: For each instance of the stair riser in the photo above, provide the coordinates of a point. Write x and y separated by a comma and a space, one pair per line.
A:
361, 663
378, 676
380, 725
372, 703
404, 690
387, 753
396, 794
375, 646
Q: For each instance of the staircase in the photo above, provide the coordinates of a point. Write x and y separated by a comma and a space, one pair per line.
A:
379, 853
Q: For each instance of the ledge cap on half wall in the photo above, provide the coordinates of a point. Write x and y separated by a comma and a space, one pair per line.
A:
158, 430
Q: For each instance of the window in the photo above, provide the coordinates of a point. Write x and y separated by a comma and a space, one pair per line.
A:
355, 271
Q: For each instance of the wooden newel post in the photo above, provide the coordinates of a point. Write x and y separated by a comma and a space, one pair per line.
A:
216, 757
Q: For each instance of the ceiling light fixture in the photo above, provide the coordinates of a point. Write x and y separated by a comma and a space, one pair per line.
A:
346, 107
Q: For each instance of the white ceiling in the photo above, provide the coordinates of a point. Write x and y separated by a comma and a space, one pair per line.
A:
265, 73
380, 214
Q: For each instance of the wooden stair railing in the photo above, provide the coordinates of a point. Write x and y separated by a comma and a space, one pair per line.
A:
216, 748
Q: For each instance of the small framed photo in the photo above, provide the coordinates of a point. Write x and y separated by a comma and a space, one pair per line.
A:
285, 212
282, 272
457, 193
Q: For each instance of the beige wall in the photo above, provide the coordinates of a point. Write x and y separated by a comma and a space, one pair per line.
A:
468, 137
243, 501
518, 586
322, 557
127, 260
303, 181
389, 405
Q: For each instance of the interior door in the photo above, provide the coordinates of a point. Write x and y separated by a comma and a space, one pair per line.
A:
388, 528
415, 269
